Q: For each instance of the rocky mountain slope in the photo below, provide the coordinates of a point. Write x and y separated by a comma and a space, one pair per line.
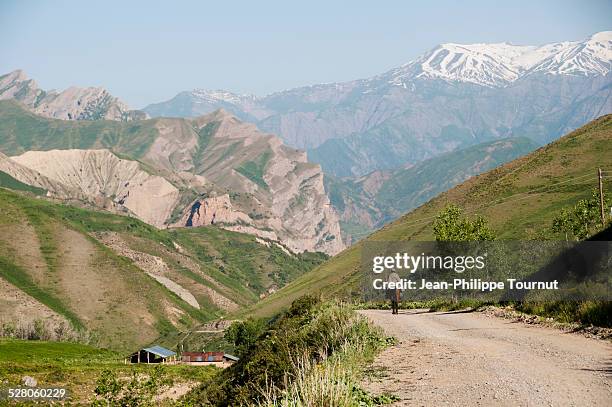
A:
70, 104
367, 203
452, 97
519, 199
124, 283
191, 172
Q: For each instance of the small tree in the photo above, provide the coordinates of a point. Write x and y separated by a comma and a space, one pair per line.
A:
582, 220
452, 226
40, 330
562, 223
244, 334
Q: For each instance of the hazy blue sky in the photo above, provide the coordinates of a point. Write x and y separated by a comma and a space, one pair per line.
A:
148, 51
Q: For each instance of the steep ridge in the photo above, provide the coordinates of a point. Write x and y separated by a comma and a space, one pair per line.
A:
283, 192
126, 283
267, 188
519, 199
441, 116
71, 104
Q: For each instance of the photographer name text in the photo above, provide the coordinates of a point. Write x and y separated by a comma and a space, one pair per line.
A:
464, 284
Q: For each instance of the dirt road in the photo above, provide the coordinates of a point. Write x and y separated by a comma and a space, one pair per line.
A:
460, 358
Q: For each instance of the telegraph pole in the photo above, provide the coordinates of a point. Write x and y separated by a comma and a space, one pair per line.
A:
601, 197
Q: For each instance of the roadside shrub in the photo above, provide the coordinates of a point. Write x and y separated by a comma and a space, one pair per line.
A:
138, 390
311, 355
598, 313
335, 380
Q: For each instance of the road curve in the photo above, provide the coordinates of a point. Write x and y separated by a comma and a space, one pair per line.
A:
472, 359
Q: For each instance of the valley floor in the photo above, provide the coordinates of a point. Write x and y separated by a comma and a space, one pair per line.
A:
468, 358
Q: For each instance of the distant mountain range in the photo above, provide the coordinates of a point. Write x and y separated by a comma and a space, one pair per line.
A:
454, 96
381, 141
71, 104
498, 65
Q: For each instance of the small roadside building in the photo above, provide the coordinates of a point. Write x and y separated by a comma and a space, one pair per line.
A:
218, 359
153, 354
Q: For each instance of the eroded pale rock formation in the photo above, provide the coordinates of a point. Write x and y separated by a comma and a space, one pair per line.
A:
101, 174
31, 177
211, 170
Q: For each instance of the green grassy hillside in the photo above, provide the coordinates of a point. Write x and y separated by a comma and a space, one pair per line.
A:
519, 199
23, 131
410, 187
59, 262
7, 181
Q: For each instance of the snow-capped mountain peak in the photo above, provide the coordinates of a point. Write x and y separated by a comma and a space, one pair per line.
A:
488, 64
591, 57
219, 96
497, 65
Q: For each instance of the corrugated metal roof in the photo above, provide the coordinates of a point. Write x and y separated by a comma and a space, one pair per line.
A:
192, 353
160, 351
203, 356
231, 357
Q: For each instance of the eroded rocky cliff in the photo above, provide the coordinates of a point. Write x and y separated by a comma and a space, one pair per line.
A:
213, 169
267, 188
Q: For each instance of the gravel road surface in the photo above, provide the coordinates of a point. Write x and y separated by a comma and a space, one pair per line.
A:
472, 359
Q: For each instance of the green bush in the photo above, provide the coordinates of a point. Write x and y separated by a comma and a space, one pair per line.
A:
452, 226
139, 390
598, 313
311, 355
244, 334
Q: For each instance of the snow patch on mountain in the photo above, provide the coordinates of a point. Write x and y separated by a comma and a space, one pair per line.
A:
497, 65
592, 57
219, 95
